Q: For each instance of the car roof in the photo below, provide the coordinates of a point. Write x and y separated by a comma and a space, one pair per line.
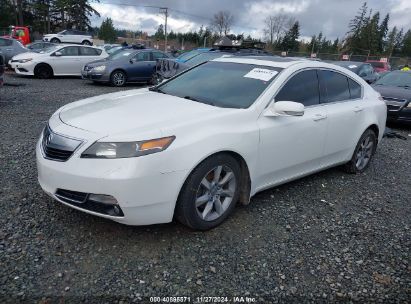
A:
274, 61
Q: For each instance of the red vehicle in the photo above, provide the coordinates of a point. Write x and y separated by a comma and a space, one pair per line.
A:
379, 66
21, 33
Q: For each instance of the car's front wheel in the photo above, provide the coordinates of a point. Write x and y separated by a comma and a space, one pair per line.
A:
118, 78
55, 40
86, 42
43, 71
210, 193
363, 153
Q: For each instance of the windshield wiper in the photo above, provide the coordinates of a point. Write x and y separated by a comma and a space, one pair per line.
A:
155, 89
202, 101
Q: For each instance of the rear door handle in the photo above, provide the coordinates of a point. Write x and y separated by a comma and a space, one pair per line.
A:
358, 109
319, 116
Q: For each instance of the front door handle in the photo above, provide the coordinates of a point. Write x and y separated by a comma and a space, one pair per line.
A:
319, 116
358, 109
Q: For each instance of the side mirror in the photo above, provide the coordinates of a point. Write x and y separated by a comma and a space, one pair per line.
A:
285, 108
58, 54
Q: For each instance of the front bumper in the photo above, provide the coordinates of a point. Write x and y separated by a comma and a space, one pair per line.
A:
399, 112
146, 196
90, 75
26, 68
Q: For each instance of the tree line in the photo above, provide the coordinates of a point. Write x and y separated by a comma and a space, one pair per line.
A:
368, 32
45, 16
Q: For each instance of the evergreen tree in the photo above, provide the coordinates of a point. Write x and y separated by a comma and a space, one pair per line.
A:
290, 42
107, 31
406, 44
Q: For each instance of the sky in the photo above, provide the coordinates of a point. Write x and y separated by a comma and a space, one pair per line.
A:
329, 16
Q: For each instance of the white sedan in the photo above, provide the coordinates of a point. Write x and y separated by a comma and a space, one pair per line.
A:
194, 146
60, 60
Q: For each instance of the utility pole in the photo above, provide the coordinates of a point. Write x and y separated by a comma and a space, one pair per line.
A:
164, 10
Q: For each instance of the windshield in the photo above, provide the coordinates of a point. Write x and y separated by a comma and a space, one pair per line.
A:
396, 79
113, 49
222, 84
119, 54
189, 55
50, 49
62, 32
204, 57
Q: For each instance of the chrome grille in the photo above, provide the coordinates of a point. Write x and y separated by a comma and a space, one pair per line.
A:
58, 147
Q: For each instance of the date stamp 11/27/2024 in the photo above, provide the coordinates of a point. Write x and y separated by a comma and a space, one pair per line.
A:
203, 299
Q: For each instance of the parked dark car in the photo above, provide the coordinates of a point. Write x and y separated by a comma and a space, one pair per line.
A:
395, 88
362, 69
167, 68
39, 46
11, 47
126, 65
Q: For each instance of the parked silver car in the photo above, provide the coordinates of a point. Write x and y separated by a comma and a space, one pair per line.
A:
11, 47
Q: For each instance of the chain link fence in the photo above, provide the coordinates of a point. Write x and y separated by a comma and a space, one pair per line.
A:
395, 62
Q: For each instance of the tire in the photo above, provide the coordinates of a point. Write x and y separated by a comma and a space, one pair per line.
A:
86, 42
363, 153
204, 204
43, 71
118, 78
55, 40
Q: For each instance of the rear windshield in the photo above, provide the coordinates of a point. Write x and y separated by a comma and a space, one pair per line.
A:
222, 84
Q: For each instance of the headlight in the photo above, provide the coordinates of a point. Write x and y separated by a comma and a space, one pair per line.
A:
99, 68
25, 60
127, 149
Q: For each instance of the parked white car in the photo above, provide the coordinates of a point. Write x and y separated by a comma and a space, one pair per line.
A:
59, 60
69, 36
216, 134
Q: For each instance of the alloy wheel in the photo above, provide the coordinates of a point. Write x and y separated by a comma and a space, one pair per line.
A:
364, 153
215, 193
119, 79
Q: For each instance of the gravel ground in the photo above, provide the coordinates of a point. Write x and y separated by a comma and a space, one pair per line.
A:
325, 238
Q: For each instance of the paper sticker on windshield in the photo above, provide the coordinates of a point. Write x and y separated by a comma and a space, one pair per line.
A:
262, 74
353, 66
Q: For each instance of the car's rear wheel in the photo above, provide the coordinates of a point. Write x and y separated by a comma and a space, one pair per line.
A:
55, 40
364, 151
86, 42
210, 193
43, 71
118, 78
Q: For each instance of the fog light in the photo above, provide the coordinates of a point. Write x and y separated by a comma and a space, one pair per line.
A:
102, 198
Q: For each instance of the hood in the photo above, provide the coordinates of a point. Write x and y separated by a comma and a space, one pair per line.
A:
25, 55
393, 92
133, 112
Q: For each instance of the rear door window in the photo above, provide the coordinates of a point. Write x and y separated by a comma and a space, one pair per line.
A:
158, 55
302, 88
70, 51
87, 51
142, 56
355, 89
333, 86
